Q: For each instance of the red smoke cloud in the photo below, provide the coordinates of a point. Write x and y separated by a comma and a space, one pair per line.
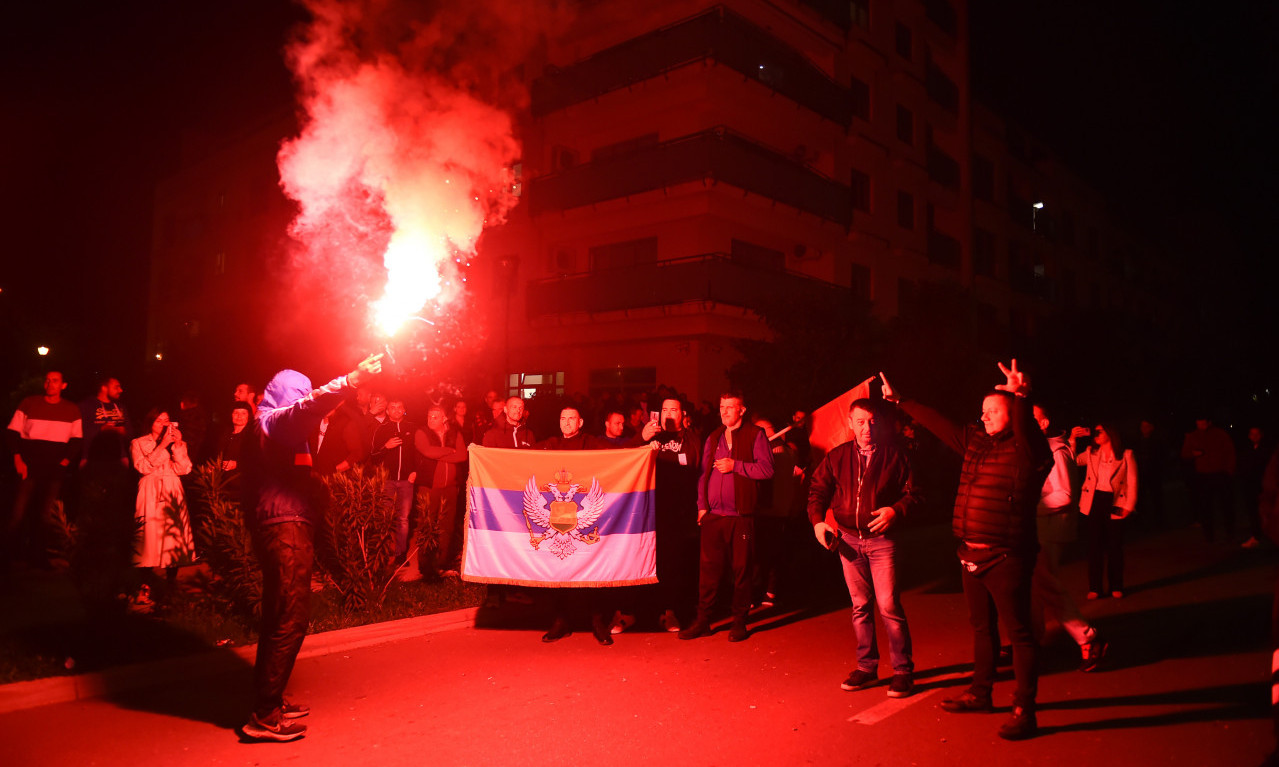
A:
407, 140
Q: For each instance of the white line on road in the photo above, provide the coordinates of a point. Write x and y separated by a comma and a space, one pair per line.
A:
879, 712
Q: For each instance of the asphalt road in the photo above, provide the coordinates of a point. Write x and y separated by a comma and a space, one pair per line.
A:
1185, 684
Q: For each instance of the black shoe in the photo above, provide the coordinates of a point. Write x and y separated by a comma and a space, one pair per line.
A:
1020, 725
601, 631
700, 628
968, 703
901, 686
859, 680
559, 630
1093, 653
738, 632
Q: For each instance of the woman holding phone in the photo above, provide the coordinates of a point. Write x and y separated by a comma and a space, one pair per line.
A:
1108, 496
164, 527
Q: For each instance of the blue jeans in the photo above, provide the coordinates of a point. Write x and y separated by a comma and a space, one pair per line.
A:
400, 491
870, 570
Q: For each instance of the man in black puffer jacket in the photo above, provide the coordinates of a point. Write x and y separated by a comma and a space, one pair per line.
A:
1005, 462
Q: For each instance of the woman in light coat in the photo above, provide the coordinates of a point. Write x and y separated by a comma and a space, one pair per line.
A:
164, 526
1108, 496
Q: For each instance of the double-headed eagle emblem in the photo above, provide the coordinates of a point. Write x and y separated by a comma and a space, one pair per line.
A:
563, 520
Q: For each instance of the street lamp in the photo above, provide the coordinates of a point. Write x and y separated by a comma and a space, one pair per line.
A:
43, 351
1034, 210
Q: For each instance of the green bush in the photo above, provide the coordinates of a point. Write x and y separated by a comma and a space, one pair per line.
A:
222, 538
355, 545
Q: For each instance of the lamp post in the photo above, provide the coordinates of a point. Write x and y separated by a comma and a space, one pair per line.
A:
1034, 215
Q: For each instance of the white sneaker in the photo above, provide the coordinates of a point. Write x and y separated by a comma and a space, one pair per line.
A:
621, 622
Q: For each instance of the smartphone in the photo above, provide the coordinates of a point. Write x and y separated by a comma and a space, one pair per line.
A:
832, 540
653, 415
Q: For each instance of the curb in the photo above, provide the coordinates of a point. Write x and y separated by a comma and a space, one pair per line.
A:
17, 696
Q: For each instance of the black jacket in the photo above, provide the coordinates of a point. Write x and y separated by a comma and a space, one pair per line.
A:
887, 482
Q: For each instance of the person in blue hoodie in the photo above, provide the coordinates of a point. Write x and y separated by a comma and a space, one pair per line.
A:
279, 502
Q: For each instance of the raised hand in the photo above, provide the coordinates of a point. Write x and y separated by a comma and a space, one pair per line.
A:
368, 367
1017, 383
886, 389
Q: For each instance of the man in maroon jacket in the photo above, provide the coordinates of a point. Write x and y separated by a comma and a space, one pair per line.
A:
866, 483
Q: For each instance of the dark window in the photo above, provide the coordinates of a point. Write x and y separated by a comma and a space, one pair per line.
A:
983, 178
750, 254
905, 210
859, 281
617, 255
943, 168
860, 184
623, 381
983, 253
859, 92
861, 12
942, 13
624, 147
907, 296
905, 125
904, 42
941, 89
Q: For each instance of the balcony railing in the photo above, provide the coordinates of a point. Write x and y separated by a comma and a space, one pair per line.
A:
717, 34
714, 155
713, 277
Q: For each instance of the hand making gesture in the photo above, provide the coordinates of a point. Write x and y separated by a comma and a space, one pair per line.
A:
1017, 382
887, 391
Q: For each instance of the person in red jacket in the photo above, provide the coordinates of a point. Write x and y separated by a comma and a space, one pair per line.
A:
866, 484
1005, 462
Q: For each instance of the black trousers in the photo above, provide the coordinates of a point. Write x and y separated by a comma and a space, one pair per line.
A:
726, 540
1003, 593
1105, 545
286, 552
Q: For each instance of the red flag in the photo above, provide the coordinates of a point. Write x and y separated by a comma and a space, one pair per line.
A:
830, 427
830, 421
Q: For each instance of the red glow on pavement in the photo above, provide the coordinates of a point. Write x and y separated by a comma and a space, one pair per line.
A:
403, 155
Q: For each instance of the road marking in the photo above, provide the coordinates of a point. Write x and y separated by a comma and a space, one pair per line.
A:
881, 711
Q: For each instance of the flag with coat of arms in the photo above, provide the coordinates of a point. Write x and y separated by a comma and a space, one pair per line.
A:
560, 518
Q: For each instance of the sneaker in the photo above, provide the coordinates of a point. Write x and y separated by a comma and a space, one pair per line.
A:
294, 710
1092, 595
601, 631
621, 622
281, 731
859, 680
769, 600
1117, 594
1020, 725
901, 686
968, 703
1251, 543
700, 628
669, 621
738, 632
1093, 652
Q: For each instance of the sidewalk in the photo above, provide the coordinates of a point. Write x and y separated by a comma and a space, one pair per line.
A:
171, 671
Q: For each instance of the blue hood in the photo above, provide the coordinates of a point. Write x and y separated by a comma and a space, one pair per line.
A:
287, 387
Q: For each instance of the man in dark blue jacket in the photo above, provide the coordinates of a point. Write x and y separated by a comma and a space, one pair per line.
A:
866, 484
280, 505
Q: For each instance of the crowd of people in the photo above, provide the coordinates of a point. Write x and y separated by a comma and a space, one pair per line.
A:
726, 504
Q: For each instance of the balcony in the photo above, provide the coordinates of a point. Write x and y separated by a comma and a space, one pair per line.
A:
944, 250
714, 155
713, 277
719, 35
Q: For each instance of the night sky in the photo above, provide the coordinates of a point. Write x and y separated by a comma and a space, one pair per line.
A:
1162, 107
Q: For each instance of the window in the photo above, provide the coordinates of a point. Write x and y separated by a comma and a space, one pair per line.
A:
861, 191
758, 256
620, 380
905, 210
624, 147
983, 253
905, 125
942, 13
859, 281
941, 89
983, 178
528, 385
904, 41
860, 94
860, 12
619, 255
